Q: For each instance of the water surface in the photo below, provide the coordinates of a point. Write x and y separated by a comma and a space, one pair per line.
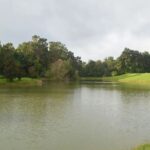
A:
74, 116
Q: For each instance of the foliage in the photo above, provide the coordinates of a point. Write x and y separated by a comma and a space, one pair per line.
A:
130, 61
40, 58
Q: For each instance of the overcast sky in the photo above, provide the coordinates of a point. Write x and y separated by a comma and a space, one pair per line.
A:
92, 29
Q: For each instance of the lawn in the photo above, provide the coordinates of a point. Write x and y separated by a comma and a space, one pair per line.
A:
22, 82
136, 78
132, 78
143, 147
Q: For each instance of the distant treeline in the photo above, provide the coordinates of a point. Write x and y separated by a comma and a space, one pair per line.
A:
40, 58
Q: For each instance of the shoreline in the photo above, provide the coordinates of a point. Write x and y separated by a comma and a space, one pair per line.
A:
143, 147
130, 78
21, 83
141, 79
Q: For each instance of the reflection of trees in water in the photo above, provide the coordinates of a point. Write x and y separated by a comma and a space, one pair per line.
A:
58, 113
120, 96
34, 104
123, 87
31, 114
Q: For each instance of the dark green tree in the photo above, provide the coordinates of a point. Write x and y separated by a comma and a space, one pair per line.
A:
130, 61
57, 50
9, 64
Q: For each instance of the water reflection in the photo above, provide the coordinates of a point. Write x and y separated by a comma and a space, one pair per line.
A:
60, 116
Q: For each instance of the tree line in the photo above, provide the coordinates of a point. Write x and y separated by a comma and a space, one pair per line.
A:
130, 61
40, 58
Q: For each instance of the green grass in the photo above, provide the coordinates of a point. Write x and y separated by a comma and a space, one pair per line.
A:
130, 78
134, 78
22, 82
119, 78
114, 78
143, 147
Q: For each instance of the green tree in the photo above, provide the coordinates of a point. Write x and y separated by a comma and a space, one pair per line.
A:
40, 49
60, 70
130, 61
57, 50
146, 61
35, 56
110, 66
9, 64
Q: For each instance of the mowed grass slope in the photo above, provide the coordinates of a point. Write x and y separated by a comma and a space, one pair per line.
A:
143, 147
141, 78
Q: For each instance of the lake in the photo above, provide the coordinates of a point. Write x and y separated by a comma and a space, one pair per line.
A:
74, 116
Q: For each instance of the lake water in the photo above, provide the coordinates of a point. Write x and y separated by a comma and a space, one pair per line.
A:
69, 116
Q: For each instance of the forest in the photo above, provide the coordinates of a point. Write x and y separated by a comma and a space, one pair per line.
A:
39, 58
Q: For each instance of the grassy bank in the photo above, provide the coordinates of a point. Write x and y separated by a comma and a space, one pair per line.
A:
132, 78
91, 79
22, 82
143, 147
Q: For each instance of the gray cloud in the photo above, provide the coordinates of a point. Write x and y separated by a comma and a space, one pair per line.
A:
92, 29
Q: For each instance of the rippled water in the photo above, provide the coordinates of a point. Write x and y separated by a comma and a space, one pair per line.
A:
83, 116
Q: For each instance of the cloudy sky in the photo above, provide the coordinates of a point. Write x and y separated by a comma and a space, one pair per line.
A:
92, 29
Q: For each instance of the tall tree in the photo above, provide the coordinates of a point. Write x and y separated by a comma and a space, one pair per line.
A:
130, 61
9, 64
57, 50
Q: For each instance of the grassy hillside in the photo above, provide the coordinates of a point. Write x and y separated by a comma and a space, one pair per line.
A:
143, 147
132, 78
137, 78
